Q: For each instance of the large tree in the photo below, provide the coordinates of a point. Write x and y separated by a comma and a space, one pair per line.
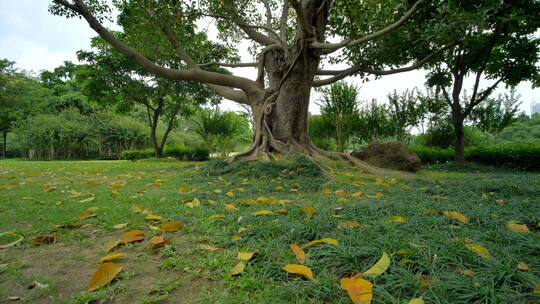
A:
292, 40
497, 45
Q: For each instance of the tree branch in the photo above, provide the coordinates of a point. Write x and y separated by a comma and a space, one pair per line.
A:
340, 74
192, 74
229, 65
332, 47
483, 95
301, 17
283, 23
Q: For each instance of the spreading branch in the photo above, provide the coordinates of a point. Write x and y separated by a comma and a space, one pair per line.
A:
341, 74
332, 47
191, 74
301, 17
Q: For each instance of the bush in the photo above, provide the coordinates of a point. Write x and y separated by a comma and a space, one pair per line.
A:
134, 155
179, 152
518, 156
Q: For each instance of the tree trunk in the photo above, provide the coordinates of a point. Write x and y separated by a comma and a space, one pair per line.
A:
459, 145
4, 149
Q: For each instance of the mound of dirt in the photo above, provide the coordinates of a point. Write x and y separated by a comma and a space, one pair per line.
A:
391, 155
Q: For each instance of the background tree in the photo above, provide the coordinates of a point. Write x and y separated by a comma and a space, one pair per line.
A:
496, 42
290, 40
339, 104
406, 111
494, 115
20, 95
114, 80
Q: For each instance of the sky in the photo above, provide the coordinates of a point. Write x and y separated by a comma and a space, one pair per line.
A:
36, 40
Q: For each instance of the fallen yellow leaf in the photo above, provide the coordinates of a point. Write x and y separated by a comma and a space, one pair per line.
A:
103, 275
239, 268
216, 216
246, 256
132, 236
299, 253
537, 287
480, 250
416, 301
522, 266
396, 219
172, 226
512, 225
111, 256
348, 224
231, 207
299, 269
120, 226
382, 264
262, 212
456, 215
153, 217
321, 241
137, 209
359, 290
310, 211
86, 214
208, 247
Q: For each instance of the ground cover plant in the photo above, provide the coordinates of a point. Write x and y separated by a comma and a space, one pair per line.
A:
214, 232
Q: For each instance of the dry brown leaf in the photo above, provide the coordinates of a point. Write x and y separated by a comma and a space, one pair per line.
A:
159, 241
172, 226
132, 236
299, 269
49, 189
103, 275
107, 246
45, 239
238, 269
246, 256
359, 290
299, 253
111, 256
456, 215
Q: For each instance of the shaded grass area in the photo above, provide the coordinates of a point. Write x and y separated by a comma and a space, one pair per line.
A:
429, 258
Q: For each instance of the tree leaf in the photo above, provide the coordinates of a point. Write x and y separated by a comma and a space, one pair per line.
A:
512, 225
44, 239
11, 244
299, 253
120, 226
111, 256
310, 211
159, 241
396, 219
359, 290
230, 207
382, 264
456, 215
348, 224
246, 256
137, 208
537, 287
416, 301
132, 236
209, 247
172, 226
153, 217
522, 266
299, 269
262, 212
86, 214
480, 250
107, 246
238, 269
103, 275
321, 241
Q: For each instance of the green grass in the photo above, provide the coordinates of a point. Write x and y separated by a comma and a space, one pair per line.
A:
182, 271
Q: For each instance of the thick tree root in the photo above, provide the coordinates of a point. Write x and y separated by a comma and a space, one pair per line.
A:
319, 156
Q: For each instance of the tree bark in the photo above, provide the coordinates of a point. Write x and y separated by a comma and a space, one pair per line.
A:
459, 145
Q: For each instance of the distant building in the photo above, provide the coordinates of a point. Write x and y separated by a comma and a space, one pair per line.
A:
535, 108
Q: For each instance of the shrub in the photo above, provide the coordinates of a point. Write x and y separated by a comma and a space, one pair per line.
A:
518, 156
179, 152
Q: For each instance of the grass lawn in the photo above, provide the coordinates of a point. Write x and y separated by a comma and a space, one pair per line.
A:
432, 254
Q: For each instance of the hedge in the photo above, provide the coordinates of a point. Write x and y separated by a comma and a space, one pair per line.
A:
519, 156
179, 152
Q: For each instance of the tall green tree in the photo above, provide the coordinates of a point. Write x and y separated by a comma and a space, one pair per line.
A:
497, 45
494, 115
291, 41
114, 80
406, 111
20, 96
339, 103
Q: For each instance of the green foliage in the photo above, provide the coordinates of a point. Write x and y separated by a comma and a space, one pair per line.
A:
221, 131
524, 130
179, 152
442, 135
518, 156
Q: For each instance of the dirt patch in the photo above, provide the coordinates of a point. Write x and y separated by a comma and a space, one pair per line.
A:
67, 268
